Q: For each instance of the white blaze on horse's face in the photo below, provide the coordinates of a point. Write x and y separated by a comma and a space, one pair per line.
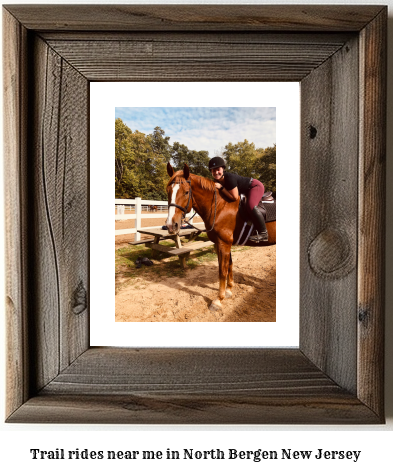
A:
172, 209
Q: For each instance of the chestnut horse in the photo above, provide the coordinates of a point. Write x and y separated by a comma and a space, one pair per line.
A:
222, 220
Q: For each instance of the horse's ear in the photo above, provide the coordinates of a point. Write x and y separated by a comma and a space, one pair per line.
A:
186, 171
169, 169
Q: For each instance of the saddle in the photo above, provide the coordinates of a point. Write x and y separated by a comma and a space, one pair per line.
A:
267, 205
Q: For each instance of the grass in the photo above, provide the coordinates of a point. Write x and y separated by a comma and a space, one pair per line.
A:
168, 266
164, 266
240, 249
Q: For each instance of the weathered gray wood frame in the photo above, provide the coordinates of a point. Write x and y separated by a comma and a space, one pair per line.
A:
338, 53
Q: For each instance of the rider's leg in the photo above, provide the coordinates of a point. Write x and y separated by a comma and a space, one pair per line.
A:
260, 226
254, 196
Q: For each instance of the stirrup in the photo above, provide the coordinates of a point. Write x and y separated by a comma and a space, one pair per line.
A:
260, 237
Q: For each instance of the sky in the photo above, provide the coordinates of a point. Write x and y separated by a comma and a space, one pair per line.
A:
205, 128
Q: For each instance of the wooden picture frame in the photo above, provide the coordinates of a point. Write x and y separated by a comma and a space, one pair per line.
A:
338, 54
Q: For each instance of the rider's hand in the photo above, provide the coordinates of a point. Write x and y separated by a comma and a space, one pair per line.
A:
218, 185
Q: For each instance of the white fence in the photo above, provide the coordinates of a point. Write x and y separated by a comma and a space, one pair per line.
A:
138, 206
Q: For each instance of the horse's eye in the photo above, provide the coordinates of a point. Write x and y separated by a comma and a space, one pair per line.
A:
186, 192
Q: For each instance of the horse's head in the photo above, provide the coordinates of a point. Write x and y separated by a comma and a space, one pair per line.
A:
179, 198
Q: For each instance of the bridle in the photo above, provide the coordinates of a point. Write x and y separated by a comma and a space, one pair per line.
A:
186, 211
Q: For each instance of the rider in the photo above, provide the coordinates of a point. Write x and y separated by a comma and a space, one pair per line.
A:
232, 185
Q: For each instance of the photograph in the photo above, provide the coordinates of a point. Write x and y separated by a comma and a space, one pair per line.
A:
56, 263
195, 214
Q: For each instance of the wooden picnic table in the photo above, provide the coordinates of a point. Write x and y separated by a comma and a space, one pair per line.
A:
182, 249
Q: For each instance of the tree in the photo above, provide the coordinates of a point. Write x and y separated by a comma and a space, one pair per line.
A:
160, 144
126, 180
140, 163
151, 166
244, 159
241, 158
266, 167
198, 161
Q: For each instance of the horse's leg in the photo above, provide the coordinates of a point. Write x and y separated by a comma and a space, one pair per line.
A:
228, 292
271, 230
224, 252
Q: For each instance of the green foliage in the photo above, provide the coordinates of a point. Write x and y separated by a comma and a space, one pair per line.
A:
140, 162
160, 144
266, 168
198, 161
126, 180
241, 158
245, 160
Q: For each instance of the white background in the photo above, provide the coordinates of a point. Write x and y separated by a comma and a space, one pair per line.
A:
104, 97
374, 441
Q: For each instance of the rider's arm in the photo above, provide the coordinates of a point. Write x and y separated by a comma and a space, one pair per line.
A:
233, 194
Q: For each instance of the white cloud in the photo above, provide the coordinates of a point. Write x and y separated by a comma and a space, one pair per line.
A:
206, 128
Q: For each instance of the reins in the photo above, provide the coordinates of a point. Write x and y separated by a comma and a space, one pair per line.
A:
185, 209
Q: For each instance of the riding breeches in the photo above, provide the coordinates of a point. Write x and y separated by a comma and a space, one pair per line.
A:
255, 194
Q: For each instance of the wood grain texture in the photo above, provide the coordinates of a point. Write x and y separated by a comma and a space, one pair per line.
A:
329, 188
196, 17
216, 60
372, 199
193, 409
201, 37
14, 74
193, 386
60, 239
53, 375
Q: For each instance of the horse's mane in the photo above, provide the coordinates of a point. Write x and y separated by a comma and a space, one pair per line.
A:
204, 183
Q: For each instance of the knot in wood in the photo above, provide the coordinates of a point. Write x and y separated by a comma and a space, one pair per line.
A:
331, 255
364, 316
80, 299
313, 132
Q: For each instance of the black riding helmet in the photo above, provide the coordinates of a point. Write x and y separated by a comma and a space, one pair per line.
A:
216, 162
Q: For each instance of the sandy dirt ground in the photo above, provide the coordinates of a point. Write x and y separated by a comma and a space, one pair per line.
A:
150, 297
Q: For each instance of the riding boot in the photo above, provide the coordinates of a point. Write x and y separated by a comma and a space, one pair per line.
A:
260, 226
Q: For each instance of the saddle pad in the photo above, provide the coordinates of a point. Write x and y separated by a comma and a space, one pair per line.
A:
269, 210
